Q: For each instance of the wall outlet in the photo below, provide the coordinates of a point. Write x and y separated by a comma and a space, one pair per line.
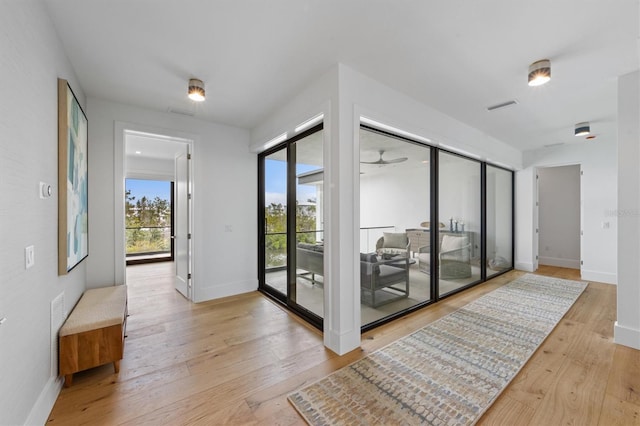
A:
29, 257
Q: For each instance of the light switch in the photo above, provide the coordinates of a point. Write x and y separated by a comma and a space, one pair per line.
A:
29, 257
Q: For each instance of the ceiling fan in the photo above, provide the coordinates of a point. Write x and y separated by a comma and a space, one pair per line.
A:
382, 162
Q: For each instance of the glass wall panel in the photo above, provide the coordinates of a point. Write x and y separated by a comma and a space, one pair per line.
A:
459, 195
275, 220
398, 262
499, 220
309, 289
394, 225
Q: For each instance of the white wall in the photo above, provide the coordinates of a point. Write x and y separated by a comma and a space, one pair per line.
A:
224, 195
559, 216
627, 327
383, 204
597, 159
31, 61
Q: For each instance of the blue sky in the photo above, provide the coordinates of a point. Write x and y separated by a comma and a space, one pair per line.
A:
149, 188
276, 182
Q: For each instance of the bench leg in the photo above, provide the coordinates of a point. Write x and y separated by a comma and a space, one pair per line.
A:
116, 366
68, 380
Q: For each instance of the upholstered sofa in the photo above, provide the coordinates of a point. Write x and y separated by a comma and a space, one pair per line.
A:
310, 257
376, 274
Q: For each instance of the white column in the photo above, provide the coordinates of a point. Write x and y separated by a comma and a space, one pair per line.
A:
627, 326
342, 289
524, 220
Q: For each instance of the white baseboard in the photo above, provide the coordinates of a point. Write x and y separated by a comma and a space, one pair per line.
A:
601, 277
524, 266
224, 290
342, 343
626, 336
560, 262
42, 408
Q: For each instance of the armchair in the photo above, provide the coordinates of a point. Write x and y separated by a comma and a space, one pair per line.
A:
377, 275
393, 245
454, 257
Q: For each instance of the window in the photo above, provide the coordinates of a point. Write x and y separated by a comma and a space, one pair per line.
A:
148, 220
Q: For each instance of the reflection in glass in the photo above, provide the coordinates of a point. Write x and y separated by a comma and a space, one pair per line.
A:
309, 288
459, 194
499, 220
394, 224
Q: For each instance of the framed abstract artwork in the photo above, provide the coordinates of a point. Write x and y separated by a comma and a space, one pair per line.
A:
73, 230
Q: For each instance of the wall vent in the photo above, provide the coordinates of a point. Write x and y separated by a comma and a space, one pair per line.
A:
57, 319
502, 105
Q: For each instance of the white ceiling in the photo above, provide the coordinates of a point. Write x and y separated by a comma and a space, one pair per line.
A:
140, 145
458, 56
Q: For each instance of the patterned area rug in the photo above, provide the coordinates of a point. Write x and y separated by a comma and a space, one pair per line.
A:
452, 370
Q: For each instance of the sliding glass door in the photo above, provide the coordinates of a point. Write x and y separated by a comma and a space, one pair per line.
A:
291, 218
395, 225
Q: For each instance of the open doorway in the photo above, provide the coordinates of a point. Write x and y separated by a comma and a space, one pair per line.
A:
559, 216
156, 203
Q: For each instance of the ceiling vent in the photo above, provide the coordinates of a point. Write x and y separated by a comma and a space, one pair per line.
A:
181, 111
502, 105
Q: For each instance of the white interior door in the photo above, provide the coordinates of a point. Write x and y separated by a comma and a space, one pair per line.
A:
182, 229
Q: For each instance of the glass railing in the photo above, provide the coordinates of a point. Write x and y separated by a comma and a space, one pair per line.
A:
275, 246
143, 240
369, 237
276, 243
275, 250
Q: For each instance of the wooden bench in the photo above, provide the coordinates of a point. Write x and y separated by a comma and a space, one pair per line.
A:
93, 334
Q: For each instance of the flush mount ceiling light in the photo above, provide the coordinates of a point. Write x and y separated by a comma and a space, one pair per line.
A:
196, 90
539, 72
582, 129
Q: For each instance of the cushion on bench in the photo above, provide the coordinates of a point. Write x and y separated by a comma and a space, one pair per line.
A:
97, 308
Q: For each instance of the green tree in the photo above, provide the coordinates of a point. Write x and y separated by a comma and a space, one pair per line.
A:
276, 228
145, 220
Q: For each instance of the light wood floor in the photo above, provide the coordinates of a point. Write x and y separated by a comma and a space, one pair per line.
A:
233, 361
